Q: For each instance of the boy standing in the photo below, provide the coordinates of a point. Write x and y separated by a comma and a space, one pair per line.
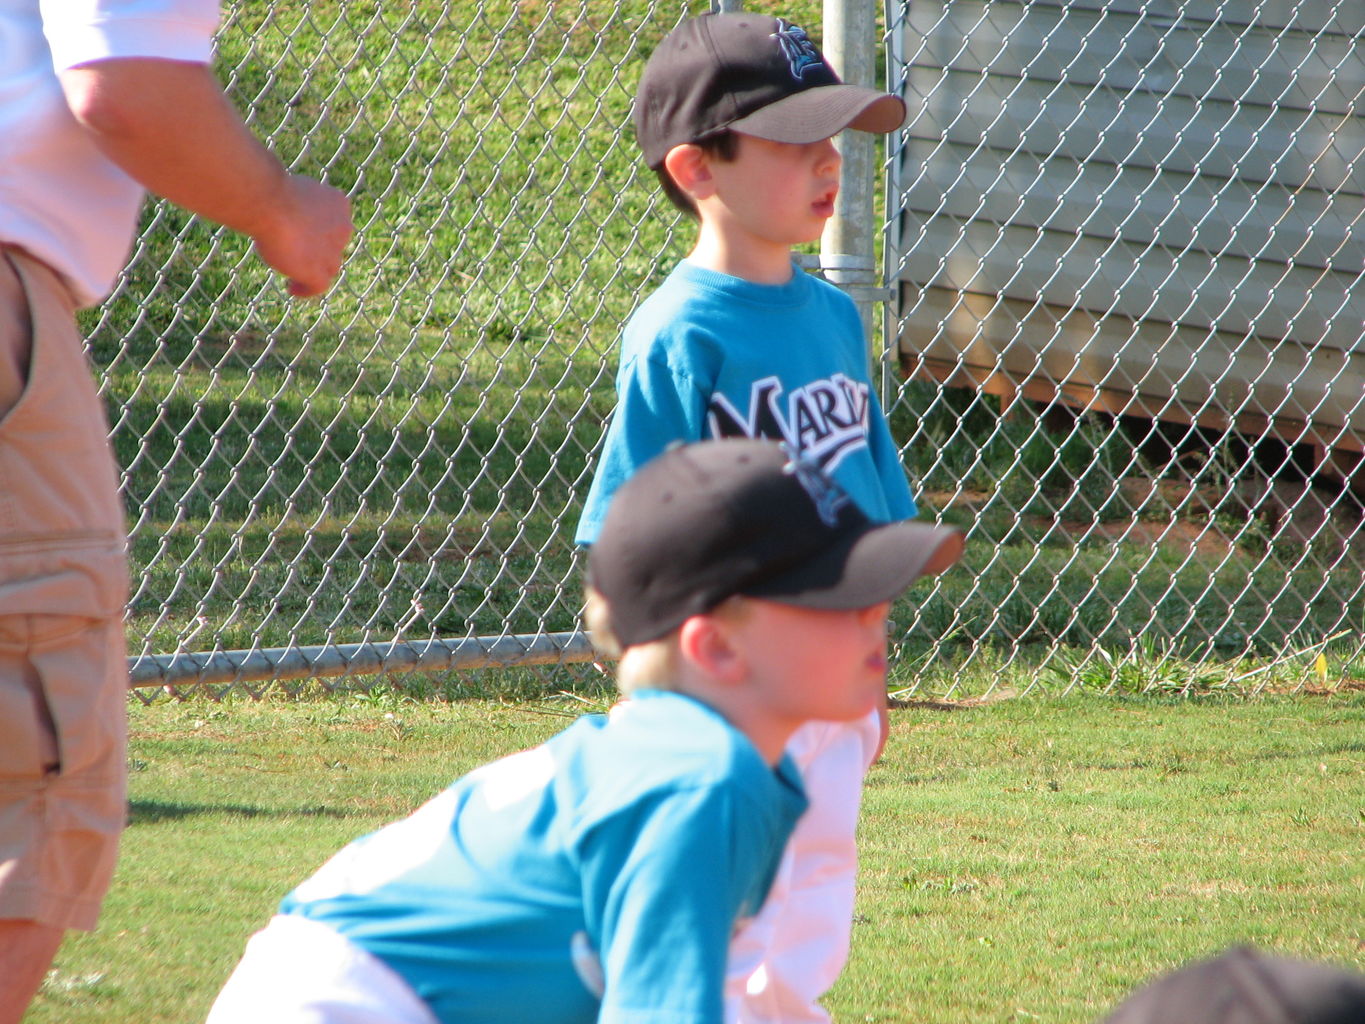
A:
599, 877
736, 112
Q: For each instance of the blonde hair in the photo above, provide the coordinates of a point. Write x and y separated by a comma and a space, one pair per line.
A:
654, 664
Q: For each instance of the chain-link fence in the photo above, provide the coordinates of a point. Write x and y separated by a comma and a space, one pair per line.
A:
1119, 353
1126, 237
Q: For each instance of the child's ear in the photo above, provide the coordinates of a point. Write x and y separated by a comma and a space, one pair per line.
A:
690, 168
706, 642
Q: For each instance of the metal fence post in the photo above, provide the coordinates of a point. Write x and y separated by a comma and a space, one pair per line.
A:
846, 248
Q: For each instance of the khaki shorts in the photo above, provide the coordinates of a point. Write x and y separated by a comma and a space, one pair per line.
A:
63, 584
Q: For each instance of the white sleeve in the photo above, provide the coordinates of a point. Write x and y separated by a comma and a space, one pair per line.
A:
81, 31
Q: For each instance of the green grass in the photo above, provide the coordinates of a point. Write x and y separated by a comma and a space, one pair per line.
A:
1021, 860
1032, 860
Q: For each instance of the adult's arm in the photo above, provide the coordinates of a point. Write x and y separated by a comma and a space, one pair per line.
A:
167, 124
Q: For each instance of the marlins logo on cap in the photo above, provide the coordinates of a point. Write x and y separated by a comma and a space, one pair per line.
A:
801, 53
828, 496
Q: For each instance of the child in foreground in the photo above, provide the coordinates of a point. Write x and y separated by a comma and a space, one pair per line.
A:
600, 876
737, 113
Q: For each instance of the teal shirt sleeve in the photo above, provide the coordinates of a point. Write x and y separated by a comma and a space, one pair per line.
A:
886, 457
899, 502
657, 404
663, 885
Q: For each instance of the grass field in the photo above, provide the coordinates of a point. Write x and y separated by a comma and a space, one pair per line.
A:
1024, 860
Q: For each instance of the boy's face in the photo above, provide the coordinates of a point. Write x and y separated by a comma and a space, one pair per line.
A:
814, 663
779, 193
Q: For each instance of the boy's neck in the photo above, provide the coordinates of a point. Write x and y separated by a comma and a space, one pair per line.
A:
749, 259
768, 737
736, 706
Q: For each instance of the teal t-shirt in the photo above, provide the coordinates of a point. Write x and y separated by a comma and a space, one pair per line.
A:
598, 877
710, 355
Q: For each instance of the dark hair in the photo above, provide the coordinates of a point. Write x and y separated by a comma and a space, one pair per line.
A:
721, 146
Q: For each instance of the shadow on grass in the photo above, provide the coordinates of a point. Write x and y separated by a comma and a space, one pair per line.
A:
153, 812
1335, 750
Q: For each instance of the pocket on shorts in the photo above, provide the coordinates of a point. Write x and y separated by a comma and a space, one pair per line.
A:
62, 698
16, 336
28, 737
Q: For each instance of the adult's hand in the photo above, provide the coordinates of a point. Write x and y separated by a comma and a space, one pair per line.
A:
308, 243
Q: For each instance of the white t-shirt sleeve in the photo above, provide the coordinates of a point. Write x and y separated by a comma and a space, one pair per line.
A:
81, 31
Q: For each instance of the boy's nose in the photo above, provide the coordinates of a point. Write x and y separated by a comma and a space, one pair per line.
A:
830, 158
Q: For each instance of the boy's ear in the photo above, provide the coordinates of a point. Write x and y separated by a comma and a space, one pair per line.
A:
706, 642
690, 168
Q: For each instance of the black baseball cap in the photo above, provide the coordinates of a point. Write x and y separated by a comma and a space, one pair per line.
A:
703, 522
752, 73
1243, 986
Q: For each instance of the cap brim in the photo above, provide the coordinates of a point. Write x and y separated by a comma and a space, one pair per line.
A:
823, 112
874, 566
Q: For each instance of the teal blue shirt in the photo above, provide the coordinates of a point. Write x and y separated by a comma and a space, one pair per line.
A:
598, 877
710, 355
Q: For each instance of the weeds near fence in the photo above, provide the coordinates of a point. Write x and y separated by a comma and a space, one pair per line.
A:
1152, 666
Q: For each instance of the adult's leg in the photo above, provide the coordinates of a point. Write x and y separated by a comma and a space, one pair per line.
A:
26, 947
26, 952
15, 335
63, 675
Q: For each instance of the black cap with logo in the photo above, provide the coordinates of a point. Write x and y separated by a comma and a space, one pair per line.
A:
706, 521
750, 73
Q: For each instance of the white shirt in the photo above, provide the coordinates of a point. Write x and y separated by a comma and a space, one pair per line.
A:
60, 198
